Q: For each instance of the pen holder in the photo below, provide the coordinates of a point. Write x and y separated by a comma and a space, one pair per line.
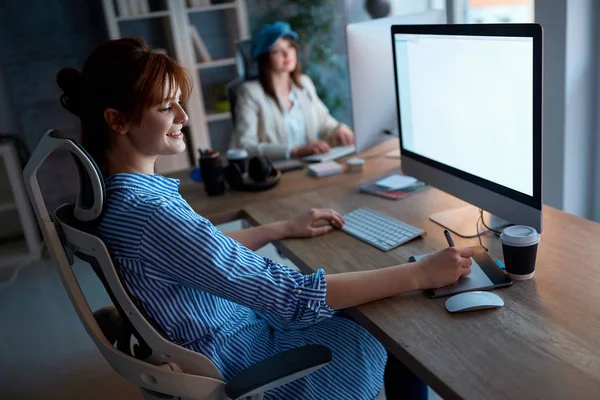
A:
212, 172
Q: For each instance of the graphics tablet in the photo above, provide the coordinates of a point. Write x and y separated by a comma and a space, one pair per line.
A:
485, 274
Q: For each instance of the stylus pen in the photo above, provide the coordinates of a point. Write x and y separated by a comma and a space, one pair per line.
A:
448, 238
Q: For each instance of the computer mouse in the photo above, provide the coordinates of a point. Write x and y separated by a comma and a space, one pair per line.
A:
472, 301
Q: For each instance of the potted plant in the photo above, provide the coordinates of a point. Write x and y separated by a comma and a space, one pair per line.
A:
219, 92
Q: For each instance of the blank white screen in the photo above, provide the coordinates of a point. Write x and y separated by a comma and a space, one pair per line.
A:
467, 102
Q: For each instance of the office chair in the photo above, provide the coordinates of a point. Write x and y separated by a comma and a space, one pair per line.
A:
247, 70
162, 369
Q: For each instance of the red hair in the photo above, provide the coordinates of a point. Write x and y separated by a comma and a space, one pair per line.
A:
123, 74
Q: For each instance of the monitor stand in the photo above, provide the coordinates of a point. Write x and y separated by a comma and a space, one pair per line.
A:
464, 221
393, 154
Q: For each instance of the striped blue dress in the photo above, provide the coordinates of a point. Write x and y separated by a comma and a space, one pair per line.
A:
212, 295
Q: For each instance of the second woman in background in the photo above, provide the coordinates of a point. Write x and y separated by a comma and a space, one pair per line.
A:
280, 115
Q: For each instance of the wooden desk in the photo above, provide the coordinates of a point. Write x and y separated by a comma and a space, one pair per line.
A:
230, 206
545, 342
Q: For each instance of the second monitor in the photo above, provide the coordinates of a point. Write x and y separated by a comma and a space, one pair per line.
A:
371, 68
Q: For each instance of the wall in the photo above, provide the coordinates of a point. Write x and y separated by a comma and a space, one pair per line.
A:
551, 15
11, 225
37, 39
571, 146
8, 121
580, 102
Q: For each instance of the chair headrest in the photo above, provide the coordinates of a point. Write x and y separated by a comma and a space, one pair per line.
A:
247, 67
91, 198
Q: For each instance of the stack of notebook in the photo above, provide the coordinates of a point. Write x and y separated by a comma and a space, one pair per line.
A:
393, 187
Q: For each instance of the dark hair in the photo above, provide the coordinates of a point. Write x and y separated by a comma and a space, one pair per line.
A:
124, 74
264, 73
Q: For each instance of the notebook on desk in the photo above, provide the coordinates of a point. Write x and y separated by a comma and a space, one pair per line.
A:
371, 187
485, 275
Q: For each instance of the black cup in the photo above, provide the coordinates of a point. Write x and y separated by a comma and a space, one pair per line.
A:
212, 172
519, 247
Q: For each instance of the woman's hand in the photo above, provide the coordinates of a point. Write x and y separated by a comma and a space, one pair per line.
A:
343, 136
443, 267
302, 225
313, 147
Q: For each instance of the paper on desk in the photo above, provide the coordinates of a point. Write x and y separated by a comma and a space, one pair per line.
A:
396, 182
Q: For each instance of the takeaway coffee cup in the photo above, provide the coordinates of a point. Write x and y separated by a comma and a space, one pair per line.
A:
239, 157
519, 247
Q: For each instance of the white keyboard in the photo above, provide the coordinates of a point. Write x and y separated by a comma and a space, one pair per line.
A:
333, 154
379, 230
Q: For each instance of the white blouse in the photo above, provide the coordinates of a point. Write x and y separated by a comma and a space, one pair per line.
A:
295, 128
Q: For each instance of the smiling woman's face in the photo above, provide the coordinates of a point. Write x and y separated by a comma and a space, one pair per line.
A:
159, 132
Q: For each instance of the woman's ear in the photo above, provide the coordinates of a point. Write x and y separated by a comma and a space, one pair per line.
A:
115, 121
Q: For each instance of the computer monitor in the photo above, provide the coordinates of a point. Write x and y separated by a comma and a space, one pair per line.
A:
469, 103
371, 68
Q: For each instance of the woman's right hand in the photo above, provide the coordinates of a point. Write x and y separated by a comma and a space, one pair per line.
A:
313, 147
444, 267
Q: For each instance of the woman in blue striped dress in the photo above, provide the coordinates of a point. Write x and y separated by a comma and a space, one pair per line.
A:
208, 291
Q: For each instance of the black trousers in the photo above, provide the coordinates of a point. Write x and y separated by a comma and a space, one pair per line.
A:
401, 383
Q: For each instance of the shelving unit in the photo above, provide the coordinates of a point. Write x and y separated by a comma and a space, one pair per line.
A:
214, 7
218, 63
176, 16
16, 253
154, 14
218, 117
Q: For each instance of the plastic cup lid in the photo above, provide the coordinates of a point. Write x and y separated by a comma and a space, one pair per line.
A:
520, 236
236, 154
355, 161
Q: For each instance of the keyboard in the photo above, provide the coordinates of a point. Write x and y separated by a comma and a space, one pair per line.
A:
379, 230
288, 165
333, 154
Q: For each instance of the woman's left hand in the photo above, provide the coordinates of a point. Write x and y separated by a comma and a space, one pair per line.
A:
343, 136
302, 225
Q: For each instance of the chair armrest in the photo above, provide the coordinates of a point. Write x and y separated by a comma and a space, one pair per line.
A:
278, 370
